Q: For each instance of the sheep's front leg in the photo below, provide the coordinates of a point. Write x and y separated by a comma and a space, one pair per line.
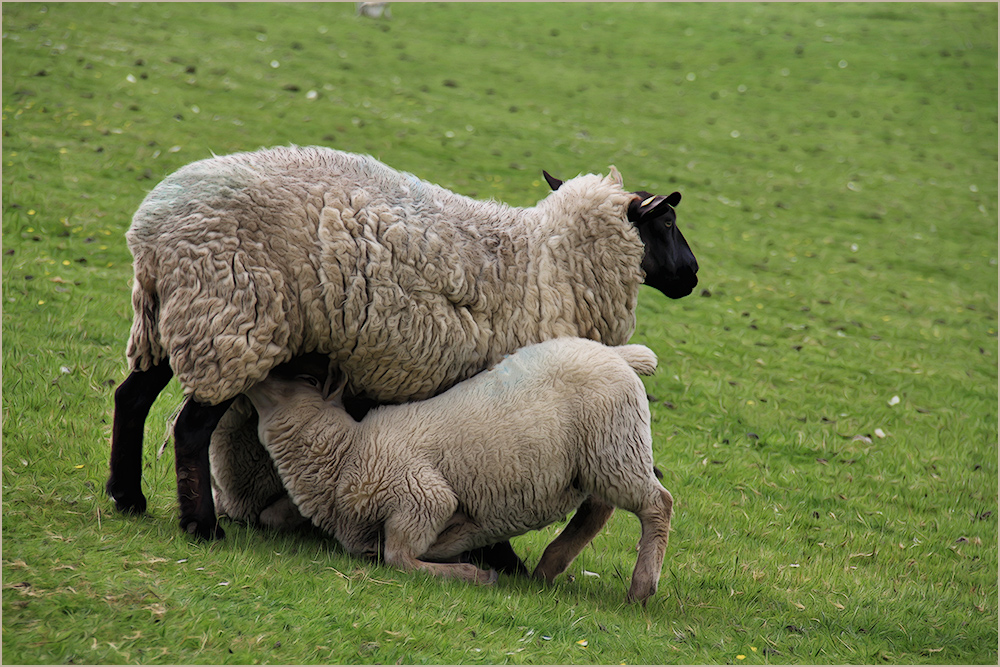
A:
655, 519
192, 436
590, 517
133, 399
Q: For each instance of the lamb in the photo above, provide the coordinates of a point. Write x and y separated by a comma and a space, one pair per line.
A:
246, 486
244, 261
512, 449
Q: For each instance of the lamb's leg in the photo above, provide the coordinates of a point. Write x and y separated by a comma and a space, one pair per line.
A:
133, 399
416, 524
655, 519
192, 435
586, 523
402, 548
454, 539
500, 557
282, 514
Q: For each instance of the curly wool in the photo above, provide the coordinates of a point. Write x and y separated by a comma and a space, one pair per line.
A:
244, 261
245, 482
511, 450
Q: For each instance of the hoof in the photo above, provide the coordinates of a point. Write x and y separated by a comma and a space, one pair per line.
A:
212, 532
492, 578
637, 596
127, 503
541, 575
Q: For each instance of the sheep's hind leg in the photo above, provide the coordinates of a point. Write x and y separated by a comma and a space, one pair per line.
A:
192, 436
133, 399
586, 523
655, 520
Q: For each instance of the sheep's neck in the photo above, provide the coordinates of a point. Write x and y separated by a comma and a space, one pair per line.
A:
569, 292
566, 287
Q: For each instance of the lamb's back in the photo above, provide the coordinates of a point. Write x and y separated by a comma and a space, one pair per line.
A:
513, 440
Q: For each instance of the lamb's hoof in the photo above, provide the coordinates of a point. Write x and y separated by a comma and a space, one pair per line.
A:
542, 575
635, 595
491, 578
203, 530
127, 503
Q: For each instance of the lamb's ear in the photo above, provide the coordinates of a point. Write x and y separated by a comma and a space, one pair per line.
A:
334, 393
674, 198
615, 177
332, 373
553, 182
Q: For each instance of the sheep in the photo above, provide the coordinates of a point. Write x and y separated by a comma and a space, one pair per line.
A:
510, 450
373, 9
244, 261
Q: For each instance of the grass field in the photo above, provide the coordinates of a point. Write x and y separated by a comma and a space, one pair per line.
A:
826, 406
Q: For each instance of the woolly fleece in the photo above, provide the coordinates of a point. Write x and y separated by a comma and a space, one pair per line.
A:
244, 261
511, 450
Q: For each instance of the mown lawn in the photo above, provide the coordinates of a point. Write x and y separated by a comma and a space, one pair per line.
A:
826, 405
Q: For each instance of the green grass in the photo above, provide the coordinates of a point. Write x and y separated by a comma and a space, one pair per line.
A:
839, 171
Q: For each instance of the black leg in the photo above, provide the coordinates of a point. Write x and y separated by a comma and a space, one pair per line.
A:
192, 435
133, 399
501, 557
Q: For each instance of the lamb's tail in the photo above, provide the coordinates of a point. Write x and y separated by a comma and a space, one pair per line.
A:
639, 357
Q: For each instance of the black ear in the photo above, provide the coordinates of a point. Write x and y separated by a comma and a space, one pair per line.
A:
674, 198
648, 207
553, 182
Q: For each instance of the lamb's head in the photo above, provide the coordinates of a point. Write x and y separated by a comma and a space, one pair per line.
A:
667, 260
309, 377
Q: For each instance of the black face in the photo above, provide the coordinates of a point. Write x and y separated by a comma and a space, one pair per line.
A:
668, 262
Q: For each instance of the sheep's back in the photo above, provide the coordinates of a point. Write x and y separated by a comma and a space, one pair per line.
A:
251, 258
223, 248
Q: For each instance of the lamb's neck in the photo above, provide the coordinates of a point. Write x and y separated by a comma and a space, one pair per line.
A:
308, 441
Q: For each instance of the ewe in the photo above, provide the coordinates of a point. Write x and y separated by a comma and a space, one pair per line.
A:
512, 449
245, 261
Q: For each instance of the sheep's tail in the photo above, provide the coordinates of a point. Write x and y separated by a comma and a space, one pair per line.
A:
639, 357
144, 347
